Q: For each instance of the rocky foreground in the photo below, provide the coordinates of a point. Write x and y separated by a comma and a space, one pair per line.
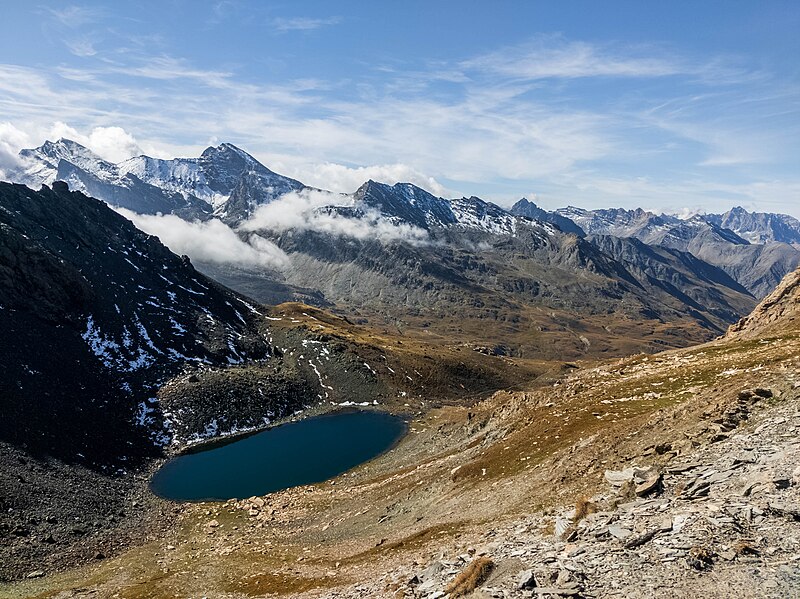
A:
723, 521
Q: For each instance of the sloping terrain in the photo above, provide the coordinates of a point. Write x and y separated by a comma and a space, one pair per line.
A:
118, 353
95, 315
676, 472
777, 313
544, 294
99, 314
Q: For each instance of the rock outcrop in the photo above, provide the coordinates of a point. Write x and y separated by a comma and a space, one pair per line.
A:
778, 313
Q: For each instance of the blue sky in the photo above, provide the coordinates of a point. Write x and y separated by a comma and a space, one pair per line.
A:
665, 105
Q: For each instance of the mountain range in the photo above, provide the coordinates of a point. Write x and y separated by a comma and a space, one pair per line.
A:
561, 283
225, 181
756, 249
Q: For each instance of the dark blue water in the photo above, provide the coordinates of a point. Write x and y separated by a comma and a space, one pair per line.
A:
299, 453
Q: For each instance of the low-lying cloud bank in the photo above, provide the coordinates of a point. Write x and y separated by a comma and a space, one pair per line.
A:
214, 241
210, 241
304, 211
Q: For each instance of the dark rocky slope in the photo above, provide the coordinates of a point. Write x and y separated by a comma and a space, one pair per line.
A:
94, 316
778, 313
97, 314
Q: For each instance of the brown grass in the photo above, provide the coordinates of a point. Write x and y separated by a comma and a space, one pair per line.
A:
745, 547
474, 575
583, 507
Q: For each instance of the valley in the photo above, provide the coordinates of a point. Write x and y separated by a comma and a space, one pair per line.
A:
500, 478
528, 357
378, 300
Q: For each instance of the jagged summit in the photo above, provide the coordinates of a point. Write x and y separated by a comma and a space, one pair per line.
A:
525, 207
62, 148
759, 227
41, 164
224, 181
406, 202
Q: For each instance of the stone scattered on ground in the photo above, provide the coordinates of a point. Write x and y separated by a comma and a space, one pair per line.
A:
728, 512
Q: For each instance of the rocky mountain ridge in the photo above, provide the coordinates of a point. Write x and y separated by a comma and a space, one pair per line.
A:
776, 312
758, 227
439, 239
118, 309
224, 181
758, 258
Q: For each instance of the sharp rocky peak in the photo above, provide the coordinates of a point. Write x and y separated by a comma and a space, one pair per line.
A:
62, 148
227, 150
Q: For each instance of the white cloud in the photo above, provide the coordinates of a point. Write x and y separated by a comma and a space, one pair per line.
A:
210, 241
110, 143
283, 25
83, 47
12, 140
74, 16
554, 57
301, 211
113, 143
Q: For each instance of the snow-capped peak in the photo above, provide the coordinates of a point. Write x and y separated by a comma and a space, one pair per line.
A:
40, 165
224, 180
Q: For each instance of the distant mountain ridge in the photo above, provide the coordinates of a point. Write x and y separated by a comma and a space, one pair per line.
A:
465, 249
224, 181
758, 227
525, 207
758, 266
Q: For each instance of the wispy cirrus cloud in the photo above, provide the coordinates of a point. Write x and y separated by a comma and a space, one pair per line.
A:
74, 15
83, 47
492, 121
285, 24
76, 26
552, 57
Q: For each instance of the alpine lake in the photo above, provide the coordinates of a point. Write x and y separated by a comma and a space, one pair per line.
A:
304, 452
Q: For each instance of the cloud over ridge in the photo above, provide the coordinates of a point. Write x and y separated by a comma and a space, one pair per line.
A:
305, 211
209, 241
